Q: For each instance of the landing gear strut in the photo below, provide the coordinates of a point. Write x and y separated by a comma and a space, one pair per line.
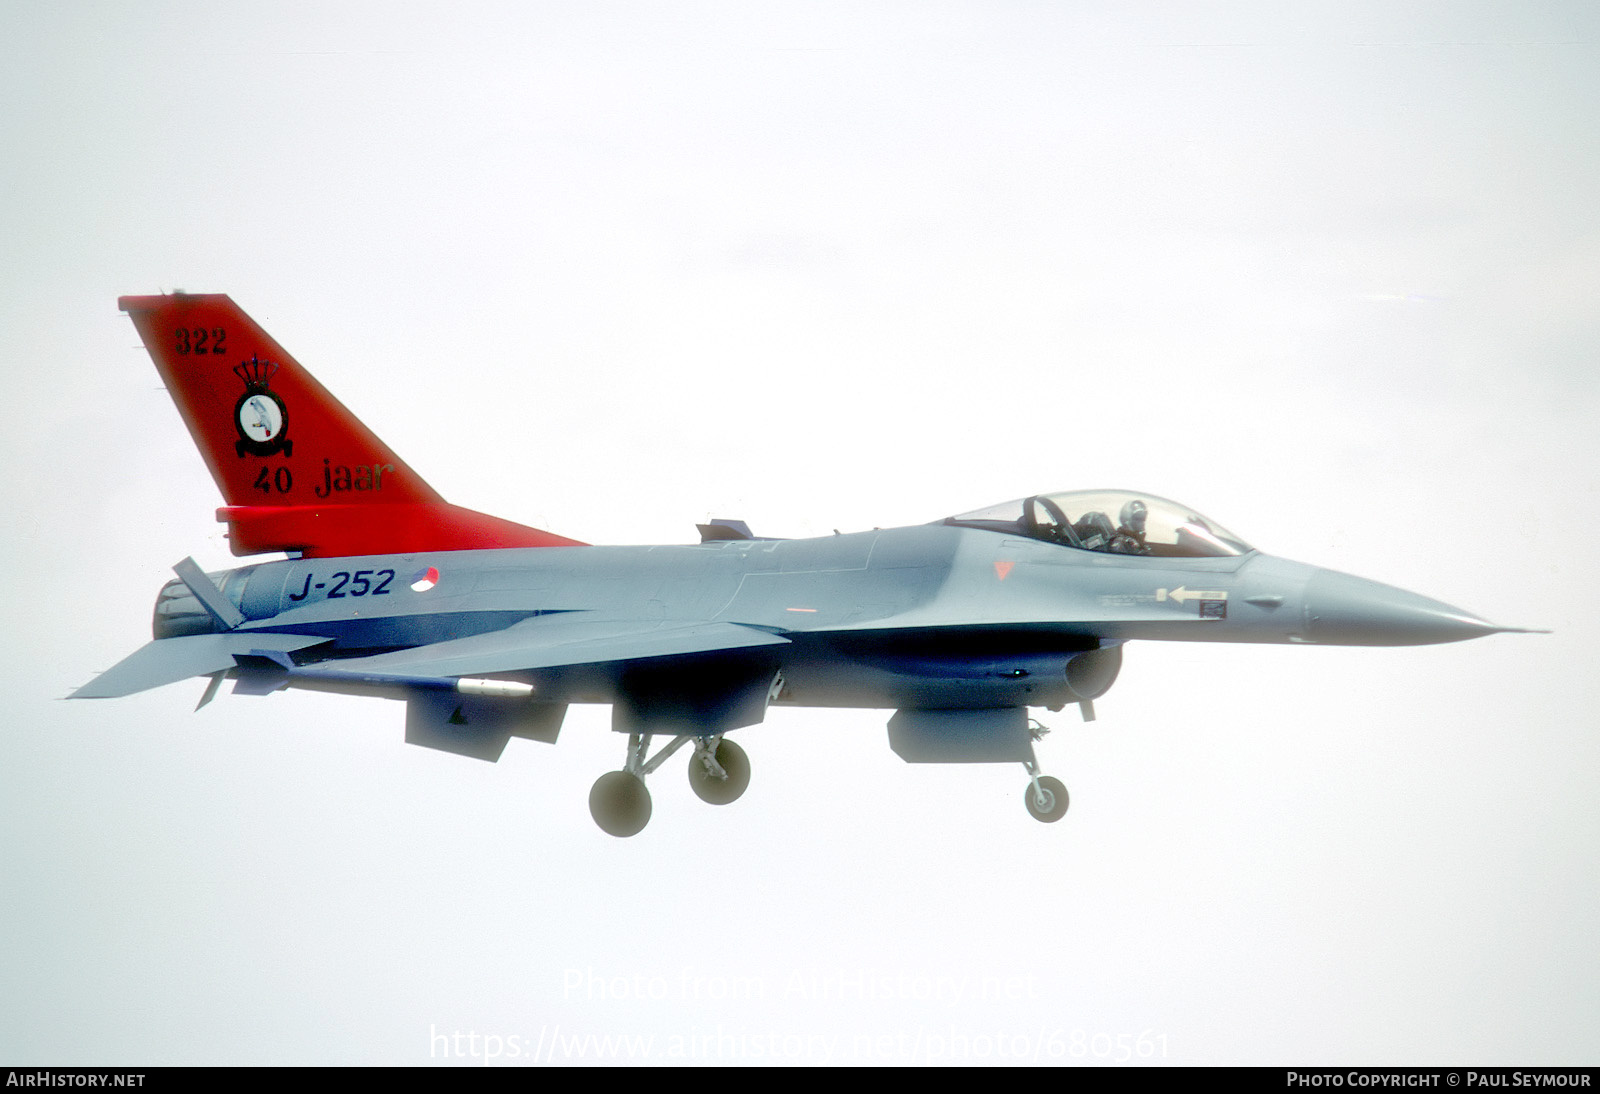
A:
719, 772
1045, 796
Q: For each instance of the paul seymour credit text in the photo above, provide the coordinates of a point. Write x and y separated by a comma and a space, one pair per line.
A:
1526, 1078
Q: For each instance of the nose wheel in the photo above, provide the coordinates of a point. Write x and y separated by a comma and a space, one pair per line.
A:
1045, 795
1046, 801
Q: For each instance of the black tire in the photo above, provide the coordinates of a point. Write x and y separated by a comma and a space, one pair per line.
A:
620, 804
1055, 805
715, 791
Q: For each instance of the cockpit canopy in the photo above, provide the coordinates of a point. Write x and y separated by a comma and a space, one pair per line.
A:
1111, 521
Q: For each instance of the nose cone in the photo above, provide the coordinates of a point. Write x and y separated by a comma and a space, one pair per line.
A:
1342, 610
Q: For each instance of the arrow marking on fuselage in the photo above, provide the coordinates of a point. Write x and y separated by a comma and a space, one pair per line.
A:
1181, 594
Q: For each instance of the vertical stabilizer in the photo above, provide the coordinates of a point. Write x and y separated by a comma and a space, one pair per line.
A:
297, 470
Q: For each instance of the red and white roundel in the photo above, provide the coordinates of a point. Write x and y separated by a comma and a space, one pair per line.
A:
424, 579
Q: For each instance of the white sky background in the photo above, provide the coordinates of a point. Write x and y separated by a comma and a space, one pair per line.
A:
1326, 272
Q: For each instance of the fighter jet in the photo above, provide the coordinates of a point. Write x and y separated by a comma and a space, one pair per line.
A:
487, 629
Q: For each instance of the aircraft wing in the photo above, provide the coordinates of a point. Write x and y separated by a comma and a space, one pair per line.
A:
476, 717
168, 660
541, 642
548, 642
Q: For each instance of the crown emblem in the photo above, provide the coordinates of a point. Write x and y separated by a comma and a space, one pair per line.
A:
255, 373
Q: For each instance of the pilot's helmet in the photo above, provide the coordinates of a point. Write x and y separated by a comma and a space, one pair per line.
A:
1132, 516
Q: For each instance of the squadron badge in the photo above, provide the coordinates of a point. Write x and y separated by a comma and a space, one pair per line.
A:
260, 416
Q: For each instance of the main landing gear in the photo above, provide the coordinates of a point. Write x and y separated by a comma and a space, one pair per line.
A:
719, 772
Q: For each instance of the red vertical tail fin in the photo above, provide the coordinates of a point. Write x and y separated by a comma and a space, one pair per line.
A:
297, 470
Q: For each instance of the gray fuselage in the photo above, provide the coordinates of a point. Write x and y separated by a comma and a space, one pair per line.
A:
930, 616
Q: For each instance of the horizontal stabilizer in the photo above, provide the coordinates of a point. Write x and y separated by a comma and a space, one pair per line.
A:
168, 660
549, 642
219, 607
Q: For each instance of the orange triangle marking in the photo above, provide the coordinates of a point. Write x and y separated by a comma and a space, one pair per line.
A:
1001, 569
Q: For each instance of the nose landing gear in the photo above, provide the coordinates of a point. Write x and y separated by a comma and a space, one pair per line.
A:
1045, 796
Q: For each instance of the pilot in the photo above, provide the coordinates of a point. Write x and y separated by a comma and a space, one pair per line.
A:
1094, 531
1129, 537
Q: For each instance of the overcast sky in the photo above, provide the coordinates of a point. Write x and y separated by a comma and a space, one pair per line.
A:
1326, 272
